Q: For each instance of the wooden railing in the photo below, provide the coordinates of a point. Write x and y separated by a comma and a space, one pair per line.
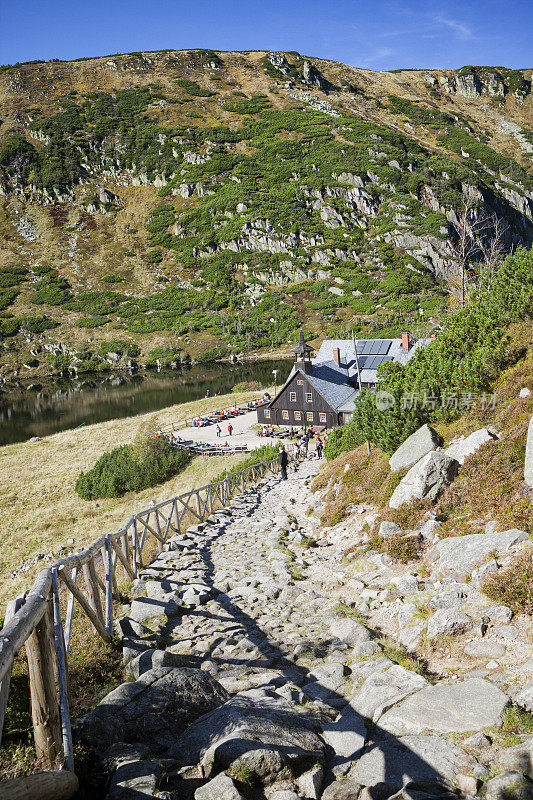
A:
89, 577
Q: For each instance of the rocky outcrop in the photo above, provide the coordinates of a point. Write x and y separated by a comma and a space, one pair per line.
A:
426, 479
467, 446
457, 556
266, 686
415, 446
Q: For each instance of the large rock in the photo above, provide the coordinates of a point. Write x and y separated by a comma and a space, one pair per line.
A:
465, 447
381, 691
153, 710
220, 788
524, 698
509, 786
528, 464
267, 736
349, 631
414, 448
347, 734
448, 622
456, 557
426, 480
416, 758
472, 705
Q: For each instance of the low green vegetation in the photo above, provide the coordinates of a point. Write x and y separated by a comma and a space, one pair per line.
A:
466, 356
267, 452
513, 585
130, 468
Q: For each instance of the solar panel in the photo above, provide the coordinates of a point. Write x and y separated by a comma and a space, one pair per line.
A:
366, 347
384, 347
375, 347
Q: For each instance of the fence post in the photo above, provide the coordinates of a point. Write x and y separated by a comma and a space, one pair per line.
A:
62, 677
109, 584
42, 677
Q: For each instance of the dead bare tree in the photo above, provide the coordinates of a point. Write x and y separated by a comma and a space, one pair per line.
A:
478, 246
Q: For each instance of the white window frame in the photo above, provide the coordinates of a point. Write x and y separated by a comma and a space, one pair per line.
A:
310, 416
284, 414
292, 397
300, 383
267, 413
322, 417
309, 397
298, 416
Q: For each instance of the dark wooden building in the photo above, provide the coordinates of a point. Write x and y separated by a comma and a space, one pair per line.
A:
322, 392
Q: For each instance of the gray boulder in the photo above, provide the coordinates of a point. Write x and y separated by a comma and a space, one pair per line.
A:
144, 608
509, 786
417, 758
465, 447
347, 734
342, 790
349, 631
448, 622
414, 448
153, 710
267, 736
456, 557
524, 698
528, 464
518, 758
388, 529
384, 689
152, 658
220, 788
134, 779
483, 649
426, 480
472, 705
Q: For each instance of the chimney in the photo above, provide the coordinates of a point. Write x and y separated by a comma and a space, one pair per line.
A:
337, 356
406, 344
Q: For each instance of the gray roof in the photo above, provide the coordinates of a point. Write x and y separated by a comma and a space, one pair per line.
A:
332, 382
337, 382
371, 353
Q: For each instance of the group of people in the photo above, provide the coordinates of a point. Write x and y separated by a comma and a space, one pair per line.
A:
300, 449
219, 430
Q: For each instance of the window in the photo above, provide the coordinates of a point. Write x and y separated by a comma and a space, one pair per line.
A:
300, 383
285, 415
267, 413
309, 397
298, 415
292, 397
309, 416
322, 417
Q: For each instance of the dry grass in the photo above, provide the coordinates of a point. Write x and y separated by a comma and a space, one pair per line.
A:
39, 509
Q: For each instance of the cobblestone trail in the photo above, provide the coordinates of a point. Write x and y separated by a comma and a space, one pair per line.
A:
249, 683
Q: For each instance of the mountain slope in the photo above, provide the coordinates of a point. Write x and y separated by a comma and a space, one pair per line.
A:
182, 203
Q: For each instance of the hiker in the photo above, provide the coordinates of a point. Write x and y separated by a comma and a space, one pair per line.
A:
319, 447
230, 428
296, 451
305, 445
219, 431
283, 460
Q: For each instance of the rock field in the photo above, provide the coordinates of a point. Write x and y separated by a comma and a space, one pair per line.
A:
257, 670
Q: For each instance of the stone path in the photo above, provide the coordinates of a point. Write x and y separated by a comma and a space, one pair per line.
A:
242, 432
248, 682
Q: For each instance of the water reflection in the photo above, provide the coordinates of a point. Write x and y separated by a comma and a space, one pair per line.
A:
70, 402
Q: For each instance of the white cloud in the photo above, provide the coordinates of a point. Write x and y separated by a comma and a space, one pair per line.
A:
460, 30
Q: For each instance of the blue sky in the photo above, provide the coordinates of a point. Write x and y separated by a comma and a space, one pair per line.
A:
374, 34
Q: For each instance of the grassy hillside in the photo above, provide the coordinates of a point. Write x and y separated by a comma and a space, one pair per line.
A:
42, 514
180, 204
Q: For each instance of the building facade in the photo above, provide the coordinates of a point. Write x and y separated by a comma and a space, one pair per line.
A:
321, 392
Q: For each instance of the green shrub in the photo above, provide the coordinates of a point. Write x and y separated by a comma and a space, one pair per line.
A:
91, 322
164, 355
213, 354
192, 88
120, 346
513, 585
130, 469
267, 452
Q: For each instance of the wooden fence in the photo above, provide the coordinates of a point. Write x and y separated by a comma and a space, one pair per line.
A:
34, 620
